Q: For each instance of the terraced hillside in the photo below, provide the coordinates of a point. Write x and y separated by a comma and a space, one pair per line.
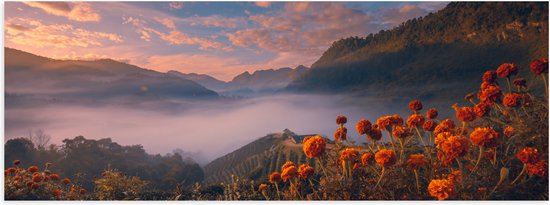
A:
258, 159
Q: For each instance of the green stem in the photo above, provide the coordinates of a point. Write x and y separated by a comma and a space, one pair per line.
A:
416, 177
509, 86
521, 173
545, 85
478, 159
380, 179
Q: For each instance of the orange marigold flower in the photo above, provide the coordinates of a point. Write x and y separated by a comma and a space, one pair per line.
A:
540, 169
489, 76
340, 120
29, 184
485, 85
442, 137
401, 132
275, 177
56, 193
455, 146
12, 170
539, 66
491, 94
315, 146
482, 109
455, 176
465, 114
429, 125
509, 131
35, 186
396, 120
37, 178
305, 171
17, 177
520, 82
506, 70
384, 122
340, 134
363, 127
415, 120
287, 165
66, 181
486, 137
375, 134
33, 169
446, 125
349, 154
441, 189
431, 113
512, 100
415, 105
54, 177
82, 191
416, 161
528, 155
385, 158
262, 187
288, 173
16, 162
367, 158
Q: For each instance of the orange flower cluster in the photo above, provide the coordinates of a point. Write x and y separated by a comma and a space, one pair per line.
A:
539, 66
415, 105
520, 83
340, 134
446, 125
482, 109
489, 76
429, 125
442, 137
416, 161
386, 122
490, 94
289, 171
441, 189
512, 100
415, 120
454, 147
367, 158
314, 146
455, 176
509, 131
275, 177
340, 120
528, 155
262, 187
385, 158
349, 154
507, 70
33, 169
305, 171
486, 137
401, 132
431, 113
540, 169
465, 114
363, 127
375, 134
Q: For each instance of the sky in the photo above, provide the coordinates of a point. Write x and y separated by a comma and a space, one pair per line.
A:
221, 39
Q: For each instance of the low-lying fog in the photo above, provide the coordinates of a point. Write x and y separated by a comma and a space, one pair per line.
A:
210, 128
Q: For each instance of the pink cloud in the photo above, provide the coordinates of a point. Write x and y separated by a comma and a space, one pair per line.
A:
264, 4
175, 5
215, 21
169, 23
77, 11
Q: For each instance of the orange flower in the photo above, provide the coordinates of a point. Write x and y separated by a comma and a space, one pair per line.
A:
520, 82
340, 120
491, 94
367, 158
416, 161
401, 132
305, 171
486, 137
455, 176
482, 109
465, 114
54, 177
349, 154
275, 177
29, 184
384, 122
509, 131
429, 125
11, 170
396, 120
340, 134
17, 177
528, 155
35, 186
314, 146
288, 173
446, 125
56, 193
375, 134
33, 169
287, 165
485, 85
441, 189
82, 191
455, 146
363, 127
37, 178
489, 76
66, 181
16, 162
442, 137
385, 158
540, 169
415, 120
431, 113
262, 187
512, 100
539, 66
506, 70
415, 105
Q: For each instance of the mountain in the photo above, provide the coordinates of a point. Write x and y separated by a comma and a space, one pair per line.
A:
28, 74
246, 84
258, 159
443, 52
